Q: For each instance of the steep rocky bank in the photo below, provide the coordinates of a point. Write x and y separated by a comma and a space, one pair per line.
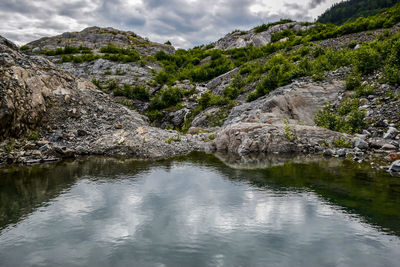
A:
47, 114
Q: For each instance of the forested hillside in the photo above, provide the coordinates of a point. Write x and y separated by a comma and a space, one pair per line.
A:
341, 12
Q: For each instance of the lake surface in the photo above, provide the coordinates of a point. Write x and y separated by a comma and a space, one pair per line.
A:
199, 211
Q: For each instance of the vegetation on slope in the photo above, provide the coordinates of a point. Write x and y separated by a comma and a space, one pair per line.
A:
341, 12
263, 69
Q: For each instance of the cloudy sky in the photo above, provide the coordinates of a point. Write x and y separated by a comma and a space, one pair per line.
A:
184, 22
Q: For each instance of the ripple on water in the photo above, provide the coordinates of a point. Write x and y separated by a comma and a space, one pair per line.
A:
185, 214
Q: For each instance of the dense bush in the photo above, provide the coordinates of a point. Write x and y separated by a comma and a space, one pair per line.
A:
209, 99
166, 98
138, 91
353, 81
347, 117
348, 10
233, 90
391, 70
67, 50
24, 48
366, 60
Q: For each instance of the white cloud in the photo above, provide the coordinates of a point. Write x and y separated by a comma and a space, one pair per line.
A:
184, 22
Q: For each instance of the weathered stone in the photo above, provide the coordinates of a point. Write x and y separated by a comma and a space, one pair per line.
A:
328, 152
341, 152
360, 143
388, 147
395, 167
391, 133
393, 157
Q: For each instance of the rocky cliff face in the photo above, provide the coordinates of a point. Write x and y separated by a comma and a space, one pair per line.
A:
240, 39
47, 113
25, 83
105, 71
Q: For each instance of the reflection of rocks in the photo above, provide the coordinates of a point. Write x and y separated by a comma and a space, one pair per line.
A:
263, 161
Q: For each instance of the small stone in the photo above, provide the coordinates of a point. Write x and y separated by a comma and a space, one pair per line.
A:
359, 154
381, 123
73, 112
44, 148
328, 152
118, 126
395, 167
341, 152
363, 101
366, 133
360, 143
388, 147
391, 133
67, 99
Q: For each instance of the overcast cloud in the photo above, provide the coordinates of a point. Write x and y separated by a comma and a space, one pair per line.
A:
185, 23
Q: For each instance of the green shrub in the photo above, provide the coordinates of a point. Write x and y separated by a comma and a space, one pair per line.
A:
342, 142
138, 91
347, 117
353, 81
112, 85
366, 60
234, 88
161, 55
154, 115
209, 99
162, 77
166, 98
24, 48
391, 74
352, 44
365, 90
97, 83
70, 50
318, 77
34, 136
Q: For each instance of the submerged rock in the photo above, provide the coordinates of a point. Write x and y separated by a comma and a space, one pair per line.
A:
395, 167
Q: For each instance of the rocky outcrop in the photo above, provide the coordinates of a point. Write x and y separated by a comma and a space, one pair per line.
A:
62, 116
245, 138
102, 70
298, 101
240, 39
24, 85
96, 37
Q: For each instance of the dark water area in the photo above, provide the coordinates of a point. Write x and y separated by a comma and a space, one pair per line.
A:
199, 210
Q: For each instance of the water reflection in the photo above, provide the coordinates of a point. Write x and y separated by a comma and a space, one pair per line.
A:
196, 211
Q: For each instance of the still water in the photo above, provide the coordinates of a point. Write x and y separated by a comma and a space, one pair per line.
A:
199, 211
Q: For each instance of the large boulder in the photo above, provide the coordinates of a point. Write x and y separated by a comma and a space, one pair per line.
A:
298, 101
280, 137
